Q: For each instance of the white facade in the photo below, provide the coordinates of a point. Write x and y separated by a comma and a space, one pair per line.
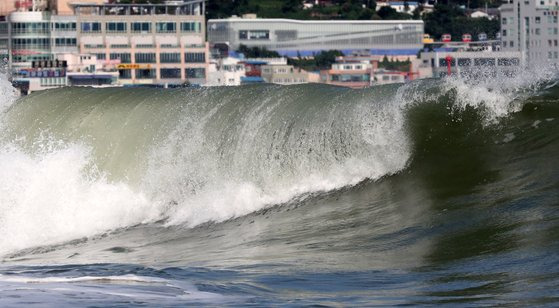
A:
531, 27
225, 72
474, 63
304, 37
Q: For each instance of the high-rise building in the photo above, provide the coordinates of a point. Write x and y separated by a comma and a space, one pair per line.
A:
531, 26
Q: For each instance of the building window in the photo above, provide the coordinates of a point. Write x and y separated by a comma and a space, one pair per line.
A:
191, 27
484, 62
65, 26
504, 32
101, 56
30, 27
538, 31
63, 42
195, 57
125, 74
538, 19
141, 27
170, 58
170, 73
166, 27
123, 57
464, 62
195, 73
145, 74
112, 27
145, 57
504, 21
92, 27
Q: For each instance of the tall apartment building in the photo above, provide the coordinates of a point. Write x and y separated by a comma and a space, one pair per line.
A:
147, 43
531, 27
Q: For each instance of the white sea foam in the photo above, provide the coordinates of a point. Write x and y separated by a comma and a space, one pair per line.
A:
47, 198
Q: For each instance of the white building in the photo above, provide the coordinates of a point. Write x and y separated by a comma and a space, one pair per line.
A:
284, 74
225, 72
306, 37
531, 27
473, 63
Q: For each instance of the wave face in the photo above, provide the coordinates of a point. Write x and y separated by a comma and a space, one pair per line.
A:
398, 176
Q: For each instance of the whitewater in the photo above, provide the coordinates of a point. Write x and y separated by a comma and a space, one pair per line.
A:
436, 191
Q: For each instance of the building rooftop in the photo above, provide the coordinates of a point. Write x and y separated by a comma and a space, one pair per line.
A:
265, 20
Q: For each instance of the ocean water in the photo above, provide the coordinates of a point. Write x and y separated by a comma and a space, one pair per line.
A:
433, 192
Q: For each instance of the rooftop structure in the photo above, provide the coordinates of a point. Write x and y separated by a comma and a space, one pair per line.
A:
305, 37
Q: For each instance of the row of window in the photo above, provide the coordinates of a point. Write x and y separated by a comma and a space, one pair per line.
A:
481, 62
165, 73
141, 27
65, 42
537, 19
42, 27
189, 57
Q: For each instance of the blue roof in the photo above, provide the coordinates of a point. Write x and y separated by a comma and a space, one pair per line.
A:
389, 52
90, 76
252, 79
256, 62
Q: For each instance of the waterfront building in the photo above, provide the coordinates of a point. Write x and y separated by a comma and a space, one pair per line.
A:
532, 28
148, 43
352, 74
66, 70
225, 72
383, 76
283, 74
307, 37
473, 63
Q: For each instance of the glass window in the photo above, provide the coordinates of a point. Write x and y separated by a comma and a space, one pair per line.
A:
195, 73
166, 27
123, 57
91, 27
145, 57
195, 57
170, 58
484, 62
141, 27
124, 74
191, 27
116, 27
170, 73
145, 74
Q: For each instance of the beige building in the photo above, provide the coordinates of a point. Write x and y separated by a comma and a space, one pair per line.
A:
284, 74
146, 43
